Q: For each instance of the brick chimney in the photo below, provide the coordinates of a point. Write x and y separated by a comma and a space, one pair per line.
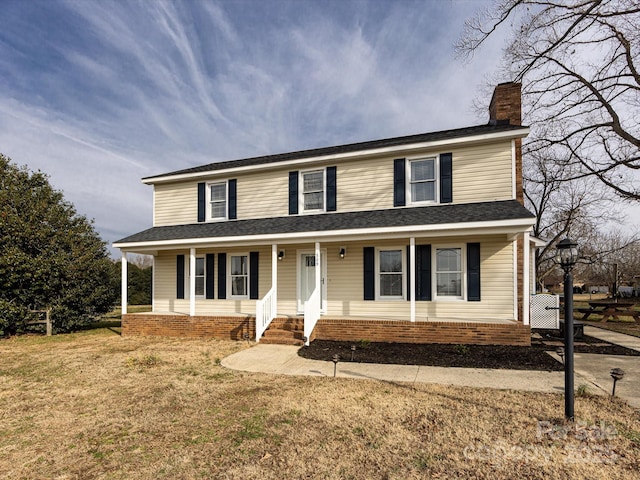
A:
506, 105
506, 109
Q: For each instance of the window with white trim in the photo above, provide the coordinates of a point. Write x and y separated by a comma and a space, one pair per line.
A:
239, 275
390, 272
217, 197
422, 183
200, 276
313, 186
449, 272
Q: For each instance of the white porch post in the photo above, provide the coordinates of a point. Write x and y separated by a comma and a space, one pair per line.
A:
318, 273
412, 277
192, 282
124, 287
526, 293
274, 276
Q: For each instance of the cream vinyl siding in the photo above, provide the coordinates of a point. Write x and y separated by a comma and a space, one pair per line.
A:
480, 173
175, 203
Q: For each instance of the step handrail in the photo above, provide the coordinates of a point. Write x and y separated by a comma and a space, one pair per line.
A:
311, 314
265, 312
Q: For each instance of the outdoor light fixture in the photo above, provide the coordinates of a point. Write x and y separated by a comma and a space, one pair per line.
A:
343, 252
336, 359
353, 351
616, 374
280, 254
567, 256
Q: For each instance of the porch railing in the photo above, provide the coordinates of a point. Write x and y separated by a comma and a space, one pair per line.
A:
265, 312
311, 313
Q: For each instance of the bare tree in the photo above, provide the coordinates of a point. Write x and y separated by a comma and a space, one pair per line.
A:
575, 208
578, 63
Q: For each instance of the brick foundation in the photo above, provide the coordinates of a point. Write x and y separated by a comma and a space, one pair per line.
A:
222, 327
234, 328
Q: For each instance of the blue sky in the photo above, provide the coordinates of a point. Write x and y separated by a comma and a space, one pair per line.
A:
101, 93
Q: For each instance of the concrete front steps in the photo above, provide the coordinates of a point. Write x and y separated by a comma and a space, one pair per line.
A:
285, 331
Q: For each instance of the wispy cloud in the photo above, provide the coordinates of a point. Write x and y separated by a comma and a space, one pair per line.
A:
99, 94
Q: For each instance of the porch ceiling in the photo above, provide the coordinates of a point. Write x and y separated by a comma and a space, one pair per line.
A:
507, 216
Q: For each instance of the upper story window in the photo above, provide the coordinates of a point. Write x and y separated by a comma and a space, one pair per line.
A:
313, 188
449, 272
217, 201
423, 181
313, 191
423, 186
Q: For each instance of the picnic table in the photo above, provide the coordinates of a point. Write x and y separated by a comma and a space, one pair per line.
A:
611, 309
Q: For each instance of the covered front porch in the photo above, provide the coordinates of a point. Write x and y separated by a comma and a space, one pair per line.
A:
320, 285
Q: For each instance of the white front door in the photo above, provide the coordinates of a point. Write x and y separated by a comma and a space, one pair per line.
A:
307, 278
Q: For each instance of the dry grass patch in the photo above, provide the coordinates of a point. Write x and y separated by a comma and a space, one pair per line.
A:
95, 405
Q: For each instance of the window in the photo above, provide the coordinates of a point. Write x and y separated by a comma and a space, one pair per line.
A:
390, 273
218, 201
423, 180
313, 191
200, 277
449, 272
239, 272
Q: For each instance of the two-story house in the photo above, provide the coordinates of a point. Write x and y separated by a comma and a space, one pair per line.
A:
422, 238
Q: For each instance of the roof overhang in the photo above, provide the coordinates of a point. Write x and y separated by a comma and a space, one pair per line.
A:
472, 229
366, 153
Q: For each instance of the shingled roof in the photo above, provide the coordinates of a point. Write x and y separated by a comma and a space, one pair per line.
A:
335, 222
348, 148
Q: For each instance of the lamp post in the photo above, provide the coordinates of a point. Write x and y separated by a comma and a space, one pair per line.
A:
567, 257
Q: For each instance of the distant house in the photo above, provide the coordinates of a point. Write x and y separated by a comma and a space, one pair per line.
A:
422, 238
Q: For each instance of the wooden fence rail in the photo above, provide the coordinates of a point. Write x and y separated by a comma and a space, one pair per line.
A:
46, 321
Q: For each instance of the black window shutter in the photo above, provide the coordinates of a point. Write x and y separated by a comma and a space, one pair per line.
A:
222, 275
408, 272
209, 272
399, 186
369, 273
233, 199
253, 275
446, 178
332, 190
293, 193
180, 276
201, 202
423, 272
473, 272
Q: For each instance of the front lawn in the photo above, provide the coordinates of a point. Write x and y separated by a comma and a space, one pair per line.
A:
97, 405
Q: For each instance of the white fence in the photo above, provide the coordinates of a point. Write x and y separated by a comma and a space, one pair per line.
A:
545, 311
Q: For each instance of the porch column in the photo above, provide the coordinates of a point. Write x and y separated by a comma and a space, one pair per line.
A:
412, 277
274, 276
124, 287
192, 282
526, 293
318, 275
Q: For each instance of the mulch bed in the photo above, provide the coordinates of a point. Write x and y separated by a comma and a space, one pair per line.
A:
469, 356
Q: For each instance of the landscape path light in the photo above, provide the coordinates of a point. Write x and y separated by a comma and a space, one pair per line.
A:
616, 374
567, 256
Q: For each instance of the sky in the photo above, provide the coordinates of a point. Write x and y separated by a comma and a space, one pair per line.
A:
99, 94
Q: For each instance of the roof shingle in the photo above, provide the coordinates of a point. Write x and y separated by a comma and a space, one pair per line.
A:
396, 217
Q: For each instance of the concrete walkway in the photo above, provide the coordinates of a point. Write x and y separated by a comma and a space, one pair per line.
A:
592, 370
